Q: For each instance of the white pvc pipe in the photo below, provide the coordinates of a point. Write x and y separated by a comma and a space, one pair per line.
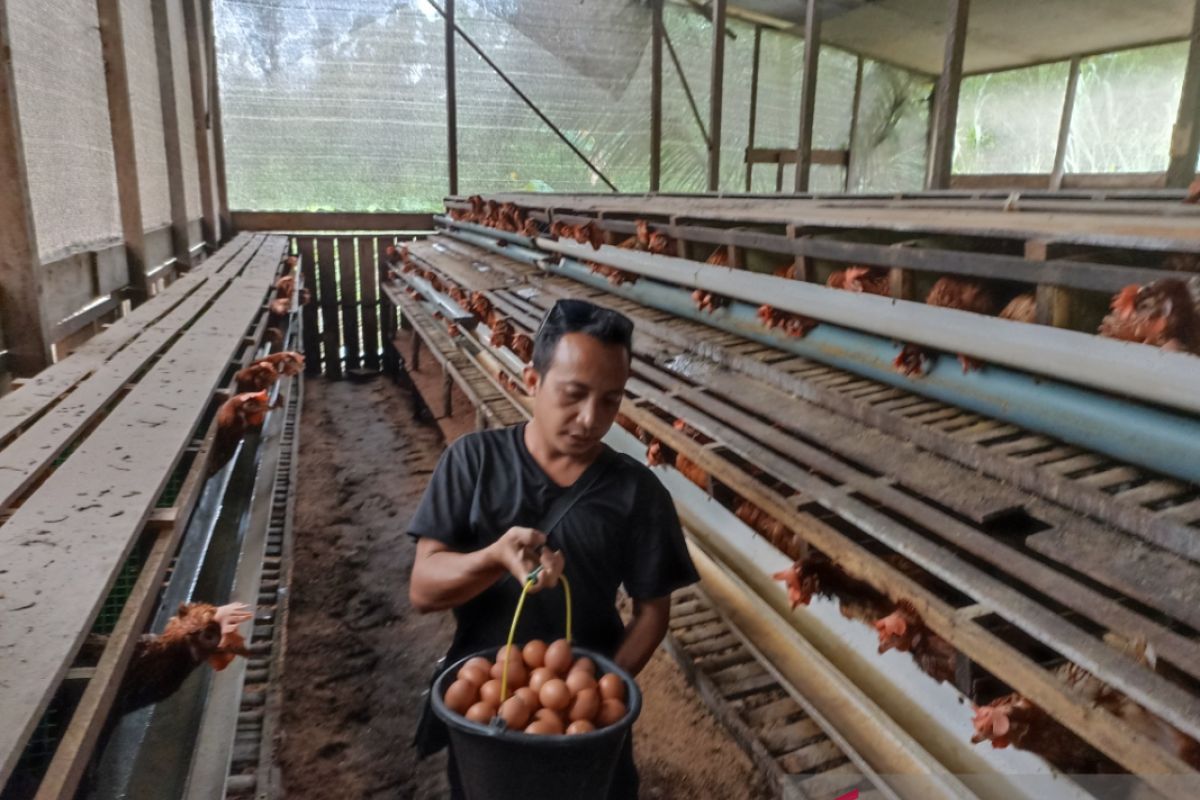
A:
1147, 373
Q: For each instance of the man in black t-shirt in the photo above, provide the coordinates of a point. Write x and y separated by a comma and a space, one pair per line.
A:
474, 543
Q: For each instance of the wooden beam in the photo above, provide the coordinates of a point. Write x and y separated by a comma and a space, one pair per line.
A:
656, 75
120, 117
808, 94
716, 95
854, 111
1185, 138
170, 115
1064, 127
451, 101
753, 104
945, 111
768, 155
1053, 301
331, 221
192, 32
214, 116
21, 312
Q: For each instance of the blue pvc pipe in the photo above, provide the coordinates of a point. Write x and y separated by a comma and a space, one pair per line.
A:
1151, 437
513, 251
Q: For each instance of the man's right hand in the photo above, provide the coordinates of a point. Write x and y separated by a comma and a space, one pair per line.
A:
521, 550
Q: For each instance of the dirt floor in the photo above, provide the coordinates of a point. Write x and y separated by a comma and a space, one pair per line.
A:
358, 657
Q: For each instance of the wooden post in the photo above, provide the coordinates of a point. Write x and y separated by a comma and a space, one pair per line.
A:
753, 105
945, 111
25, 330
1185, 138
174, 152
451, 101
120, 118
192, 33
1053, 302
854, 111
656, 76
218, 132
1064, 127
808, 94
716, 95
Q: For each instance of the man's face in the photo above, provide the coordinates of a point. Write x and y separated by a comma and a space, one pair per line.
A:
576, 401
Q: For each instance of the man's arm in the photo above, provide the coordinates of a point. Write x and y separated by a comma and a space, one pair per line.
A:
643, 633
443, 578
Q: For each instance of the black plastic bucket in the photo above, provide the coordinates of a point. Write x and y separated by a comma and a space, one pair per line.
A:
498, 764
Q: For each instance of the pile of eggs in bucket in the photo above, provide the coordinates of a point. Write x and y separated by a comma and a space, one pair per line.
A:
549, 691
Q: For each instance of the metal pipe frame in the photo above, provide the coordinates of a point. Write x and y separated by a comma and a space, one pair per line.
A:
524, 97
687, 89
1146, 373
451, 100
1064, 127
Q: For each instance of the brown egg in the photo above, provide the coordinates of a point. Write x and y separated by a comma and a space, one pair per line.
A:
585, 664
612, 687
474, 674
552, 717
516, 651
538, 678
580, 726
481, 713
490, 693
558, 657
543, 728
610, 711
585, 705
517, 674
529, 696
460, 696
534, 653
479, 662
555, 695
578, 680
515, 713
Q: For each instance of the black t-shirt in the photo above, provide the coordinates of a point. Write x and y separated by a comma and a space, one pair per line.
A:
623, 531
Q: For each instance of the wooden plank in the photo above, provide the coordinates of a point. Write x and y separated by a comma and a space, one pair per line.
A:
1152, 576
331, 221
945, 110
348, 307
26, 329
716, 94
327, 299
1187, 512
174, 150
120, 115
1152, 492
1185, 136
312, 340
39, 393
803, 472
1094, 725
23, 460
1064, 126
72, 551
855, 108
368, 272
806, 759
808, 94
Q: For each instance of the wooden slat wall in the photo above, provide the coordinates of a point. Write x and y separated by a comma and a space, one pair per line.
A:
345, 326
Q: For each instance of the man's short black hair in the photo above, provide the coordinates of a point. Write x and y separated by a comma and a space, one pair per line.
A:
579, 316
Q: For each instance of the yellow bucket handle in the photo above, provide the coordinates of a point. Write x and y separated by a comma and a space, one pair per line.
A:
512, 631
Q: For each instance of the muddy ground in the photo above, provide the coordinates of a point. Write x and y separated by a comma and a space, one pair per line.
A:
358, 657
